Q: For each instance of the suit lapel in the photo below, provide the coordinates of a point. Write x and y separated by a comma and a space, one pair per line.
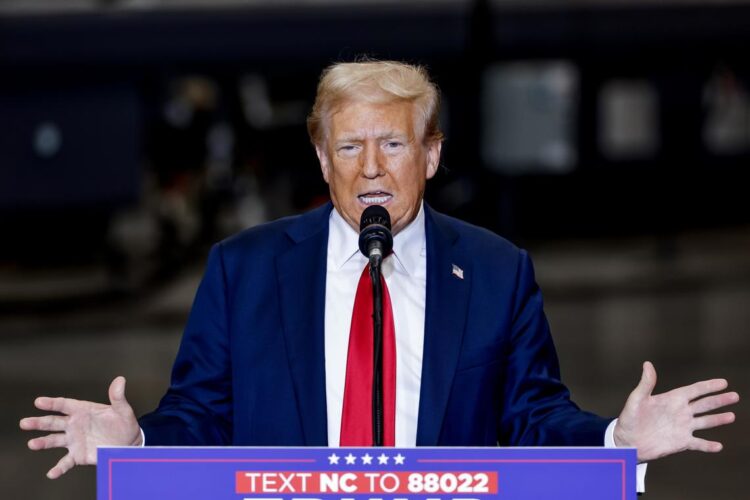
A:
301, 273
447, 298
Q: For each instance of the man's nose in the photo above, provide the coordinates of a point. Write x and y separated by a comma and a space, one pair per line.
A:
373, 165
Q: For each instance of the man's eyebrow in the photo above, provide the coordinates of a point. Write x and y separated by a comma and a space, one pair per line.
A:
348, 138
392, 134
404, 137
388, 134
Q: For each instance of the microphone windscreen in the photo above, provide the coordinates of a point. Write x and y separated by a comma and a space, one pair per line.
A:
375, 214
375, 231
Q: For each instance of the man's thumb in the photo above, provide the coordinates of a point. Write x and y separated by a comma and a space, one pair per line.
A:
648, 380
117, 394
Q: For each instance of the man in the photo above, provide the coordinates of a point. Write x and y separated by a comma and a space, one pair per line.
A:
263, 360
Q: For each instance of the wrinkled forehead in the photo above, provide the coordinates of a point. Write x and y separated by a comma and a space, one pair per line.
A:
373, 116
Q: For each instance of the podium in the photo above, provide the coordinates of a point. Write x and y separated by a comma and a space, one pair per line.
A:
235, 473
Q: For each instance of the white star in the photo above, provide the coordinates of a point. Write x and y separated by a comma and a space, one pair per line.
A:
399, 459
333, 459
350, 459
383, 459
366, 459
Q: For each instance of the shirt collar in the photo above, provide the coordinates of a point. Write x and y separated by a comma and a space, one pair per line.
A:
408, 245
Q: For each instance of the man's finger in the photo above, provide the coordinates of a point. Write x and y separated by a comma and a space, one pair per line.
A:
648, 381
711, 403
60, 405
702, 388
57, 440
698, 444
45, 423
117, 395
711, 421
64, 465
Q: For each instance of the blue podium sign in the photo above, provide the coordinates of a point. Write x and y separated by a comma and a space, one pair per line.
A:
366, 474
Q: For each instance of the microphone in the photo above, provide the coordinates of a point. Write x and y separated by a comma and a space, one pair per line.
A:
375, 239
376, 242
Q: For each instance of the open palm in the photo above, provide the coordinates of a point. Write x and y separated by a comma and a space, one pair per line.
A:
663, 424
82, 426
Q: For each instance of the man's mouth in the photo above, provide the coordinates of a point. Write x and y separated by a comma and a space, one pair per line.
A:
375, 197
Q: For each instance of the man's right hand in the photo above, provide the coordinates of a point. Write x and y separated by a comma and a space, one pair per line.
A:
83, 426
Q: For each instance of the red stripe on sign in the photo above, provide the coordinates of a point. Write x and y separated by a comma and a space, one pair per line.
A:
366, 482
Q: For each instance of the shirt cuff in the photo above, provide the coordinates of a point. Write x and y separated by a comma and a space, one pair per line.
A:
640, 471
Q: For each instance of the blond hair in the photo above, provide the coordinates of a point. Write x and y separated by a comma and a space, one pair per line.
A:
376, 82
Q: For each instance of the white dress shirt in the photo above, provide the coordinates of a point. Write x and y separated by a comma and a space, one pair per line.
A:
405, 273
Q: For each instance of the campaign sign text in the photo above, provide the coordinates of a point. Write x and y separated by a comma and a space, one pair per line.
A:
366, 473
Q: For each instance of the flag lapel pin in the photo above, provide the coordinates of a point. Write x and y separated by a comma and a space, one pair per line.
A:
457, 272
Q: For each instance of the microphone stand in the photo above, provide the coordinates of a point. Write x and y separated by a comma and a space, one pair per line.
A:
376, 242
377, 330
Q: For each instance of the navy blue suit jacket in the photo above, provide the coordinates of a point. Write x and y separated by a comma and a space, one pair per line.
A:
251, 371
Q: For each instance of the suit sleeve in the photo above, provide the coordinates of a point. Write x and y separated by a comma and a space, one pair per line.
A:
197, 408
537, 410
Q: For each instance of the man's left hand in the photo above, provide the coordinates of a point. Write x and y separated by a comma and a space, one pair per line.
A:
662, 424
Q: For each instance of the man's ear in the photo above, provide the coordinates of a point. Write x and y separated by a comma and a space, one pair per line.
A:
325, 164
433, 158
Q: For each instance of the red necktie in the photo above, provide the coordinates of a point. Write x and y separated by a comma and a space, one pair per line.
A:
356, 417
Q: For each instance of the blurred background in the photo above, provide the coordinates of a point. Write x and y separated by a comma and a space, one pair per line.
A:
610, 138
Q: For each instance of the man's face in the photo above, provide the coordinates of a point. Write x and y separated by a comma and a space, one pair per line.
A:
372, 155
